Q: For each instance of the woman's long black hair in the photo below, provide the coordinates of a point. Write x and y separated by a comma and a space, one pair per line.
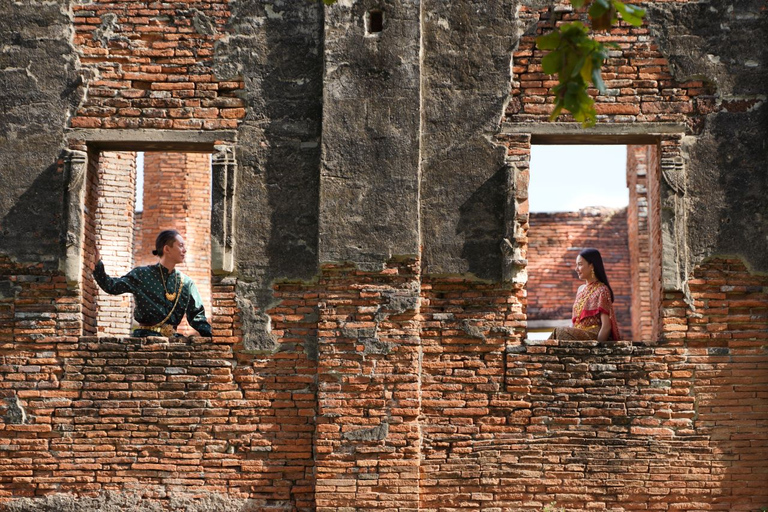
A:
166, 237
593, 257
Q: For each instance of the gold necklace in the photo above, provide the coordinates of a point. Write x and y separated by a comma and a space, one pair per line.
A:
170, 296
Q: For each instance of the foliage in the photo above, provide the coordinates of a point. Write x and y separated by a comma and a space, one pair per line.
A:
552, 507
577, 58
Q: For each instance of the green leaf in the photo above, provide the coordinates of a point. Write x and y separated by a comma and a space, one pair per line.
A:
597, 79
552, 62
586, 70
329, 2
571, 100
573, 29
597, 9
578, 66
549, 41
577, 4
630, 13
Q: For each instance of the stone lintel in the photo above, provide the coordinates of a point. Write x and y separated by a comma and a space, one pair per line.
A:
574, 133
153, 140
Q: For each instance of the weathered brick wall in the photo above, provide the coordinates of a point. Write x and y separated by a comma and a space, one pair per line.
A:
640, 159
114, 219
727, 304
639, 83
599, 426
35, 303
90, 289
154, 66
417, 393
554, 241
187, 416
367, 443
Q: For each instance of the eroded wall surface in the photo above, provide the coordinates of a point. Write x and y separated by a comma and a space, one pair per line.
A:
370, 253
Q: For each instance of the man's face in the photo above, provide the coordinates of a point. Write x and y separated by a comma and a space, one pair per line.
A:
176, 252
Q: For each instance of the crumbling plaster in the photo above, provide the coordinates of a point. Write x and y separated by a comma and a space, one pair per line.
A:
40, 84
726, 157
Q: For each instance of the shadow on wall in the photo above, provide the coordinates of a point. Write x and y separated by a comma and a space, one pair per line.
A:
32, 229
292, 94
481, 225
278, 152
742, 219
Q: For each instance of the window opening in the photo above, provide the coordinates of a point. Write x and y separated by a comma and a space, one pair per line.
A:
587, 196
139, 195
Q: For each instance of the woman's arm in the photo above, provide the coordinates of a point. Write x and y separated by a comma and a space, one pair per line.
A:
605, 327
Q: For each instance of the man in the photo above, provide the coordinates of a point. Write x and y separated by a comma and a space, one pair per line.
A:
162, 294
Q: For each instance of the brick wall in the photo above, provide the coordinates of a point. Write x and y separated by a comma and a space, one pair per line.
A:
154, 66
388, 389
639, 84
90, 289
554, 241
368, 442
421, 390
727, 305
639, 160
114, 235
606, 427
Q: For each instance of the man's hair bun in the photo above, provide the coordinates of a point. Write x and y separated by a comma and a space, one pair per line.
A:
154, 252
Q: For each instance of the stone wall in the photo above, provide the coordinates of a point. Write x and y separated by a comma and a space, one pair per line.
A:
370, 260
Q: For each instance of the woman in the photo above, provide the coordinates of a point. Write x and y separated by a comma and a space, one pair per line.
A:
593, 316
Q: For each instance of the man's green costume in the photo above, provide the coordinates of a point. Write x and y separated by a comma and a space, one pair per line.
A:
161, 297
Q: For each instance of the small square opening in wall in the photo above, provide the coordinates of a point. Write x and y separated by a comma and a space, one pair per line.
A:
374, 21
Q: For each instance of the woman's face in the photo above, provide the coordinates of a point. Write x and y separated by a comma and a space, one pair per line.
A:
583, 268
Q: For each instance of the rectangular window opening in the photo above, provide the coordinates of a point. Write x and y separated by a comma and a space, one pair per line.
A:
131, 197
589, 196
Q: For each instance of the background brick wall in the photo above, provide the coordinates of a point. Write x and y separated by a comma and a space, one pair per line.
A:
154, 66
639, 161
554, 241
114, 219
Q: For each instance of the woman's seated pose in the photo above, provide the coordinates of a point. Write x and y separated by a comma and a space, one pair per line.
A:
163, 295
593, 317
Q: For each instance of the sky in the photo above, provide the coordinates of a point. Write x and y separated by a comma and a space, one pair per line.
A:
568, 178
140, 181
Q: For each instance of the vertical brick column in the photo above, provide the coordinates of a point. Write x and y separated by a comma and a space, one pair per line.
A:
639, 158
368, 437
177, 195
115, 206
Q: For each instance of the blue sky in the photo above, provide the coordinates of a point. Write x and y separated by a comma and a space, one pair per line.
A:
568, 178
